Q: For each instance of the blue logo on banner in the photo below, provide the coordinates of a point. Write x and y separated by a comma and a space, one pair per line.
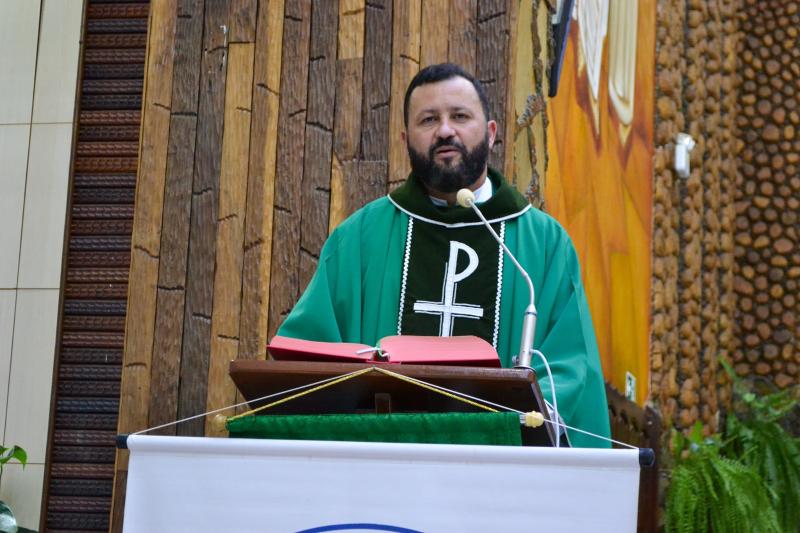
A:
360, 527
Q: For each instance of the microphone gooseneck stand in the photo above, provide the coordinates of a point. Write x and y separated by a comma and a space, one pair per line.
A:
466, 198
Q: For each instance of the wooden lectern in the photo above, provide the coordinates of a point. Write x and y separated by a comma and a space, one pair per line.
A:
181, 483
378, 393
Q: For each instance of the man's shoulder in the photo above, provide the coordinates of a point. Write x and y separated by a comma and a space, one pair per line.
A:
543, 223
376, 209
366, 223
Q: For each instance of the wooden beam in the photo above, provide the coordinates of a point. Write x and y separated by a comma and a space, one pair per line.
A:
405, 64
165, 372
284, 277
376, 93
230, 229
203, 225
463, 31
349, 84
519, 44
146, 237
435, 31
243, 21
261, 180
492, 66
315, 191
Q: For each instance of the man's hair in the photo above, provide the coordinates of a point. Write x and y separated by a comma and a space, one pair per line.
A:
442, 72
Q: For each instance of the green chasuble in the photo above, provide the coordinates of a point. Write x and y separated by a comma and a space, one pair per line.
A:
355, 295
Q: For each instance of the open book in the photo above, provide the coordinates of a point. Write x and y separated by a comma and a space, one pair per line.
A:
465, 350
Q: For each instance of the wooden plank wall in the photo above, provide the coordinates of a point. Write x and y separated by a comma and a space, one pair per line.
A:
264, 124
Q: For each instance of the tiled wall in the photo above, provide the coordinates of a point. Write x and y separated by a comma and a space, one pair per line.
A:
39, 49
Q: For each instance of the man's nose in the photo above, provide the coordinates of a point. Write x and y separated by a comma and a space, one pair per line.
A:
445, 131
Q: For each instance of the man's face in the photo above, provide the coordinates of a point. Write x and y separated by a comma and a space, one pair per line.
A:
448, 136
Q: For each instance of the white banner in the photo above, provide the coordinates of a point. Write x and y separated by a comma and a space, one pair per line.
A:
239, 485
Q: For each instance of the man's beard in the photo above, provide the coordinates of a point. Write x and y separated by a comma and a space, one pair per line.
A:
453, 177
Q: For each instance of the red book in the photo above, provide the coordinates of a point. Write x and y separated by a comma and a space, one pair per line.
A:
466, 350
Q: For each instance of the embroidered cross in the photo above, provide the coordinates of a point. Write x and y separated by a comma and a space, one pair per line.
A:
447, 308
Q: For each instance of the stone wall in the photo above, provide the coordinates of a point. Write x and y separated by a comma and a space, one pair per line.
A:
726, 265
693, 255
767, 203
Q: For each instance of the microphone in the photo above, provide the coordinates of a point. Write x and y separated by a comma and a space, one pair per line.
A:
466, 198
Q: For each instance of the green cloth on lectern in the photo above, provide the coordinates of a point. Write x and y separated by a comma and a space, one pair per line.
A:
354, 295
432, 428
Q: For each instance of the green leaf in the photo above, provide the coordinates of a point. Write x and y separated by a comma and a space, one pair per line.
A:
679, 443
764, 446
15, 452
20, 455
696, 435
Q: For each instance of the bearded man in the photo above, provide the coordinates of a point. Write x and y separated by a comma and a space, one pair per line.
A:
416, 263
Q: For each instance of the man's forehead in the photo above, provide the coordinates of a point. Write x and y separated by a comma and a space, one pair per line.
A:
451, 93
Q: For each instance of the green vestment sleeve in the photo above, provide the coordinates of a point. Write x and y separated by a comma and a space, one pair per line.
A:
354, 293
564, 330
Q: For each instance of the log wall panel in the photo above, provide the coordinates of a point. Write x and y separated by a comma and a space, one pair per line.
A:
243, 22
493, 29
347, 123
230, 220
171, 291
323, 74
265, 124
463, 32
134, 388
147, 221
316, 183
434, 32
284, 276
405, 64
203, 221
256, 266
375, 131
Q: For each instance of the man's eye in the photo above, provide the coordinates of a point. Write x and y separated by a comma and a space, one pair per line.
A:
428, 120
461, 116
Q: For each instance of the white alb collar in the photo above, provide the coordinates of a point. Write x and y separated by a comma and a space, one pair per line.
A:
482, 194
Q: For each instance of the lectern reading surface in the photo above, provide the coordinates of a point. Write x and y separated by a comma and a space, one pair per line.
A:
514, 388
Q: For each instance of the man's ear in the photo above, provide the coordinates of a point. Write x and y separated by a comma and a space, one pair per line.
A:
403, 135
491, 126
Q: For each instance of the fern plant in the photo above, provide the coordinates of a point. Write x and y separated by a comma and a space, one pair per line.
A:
745, 480
711, 492
755, 436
